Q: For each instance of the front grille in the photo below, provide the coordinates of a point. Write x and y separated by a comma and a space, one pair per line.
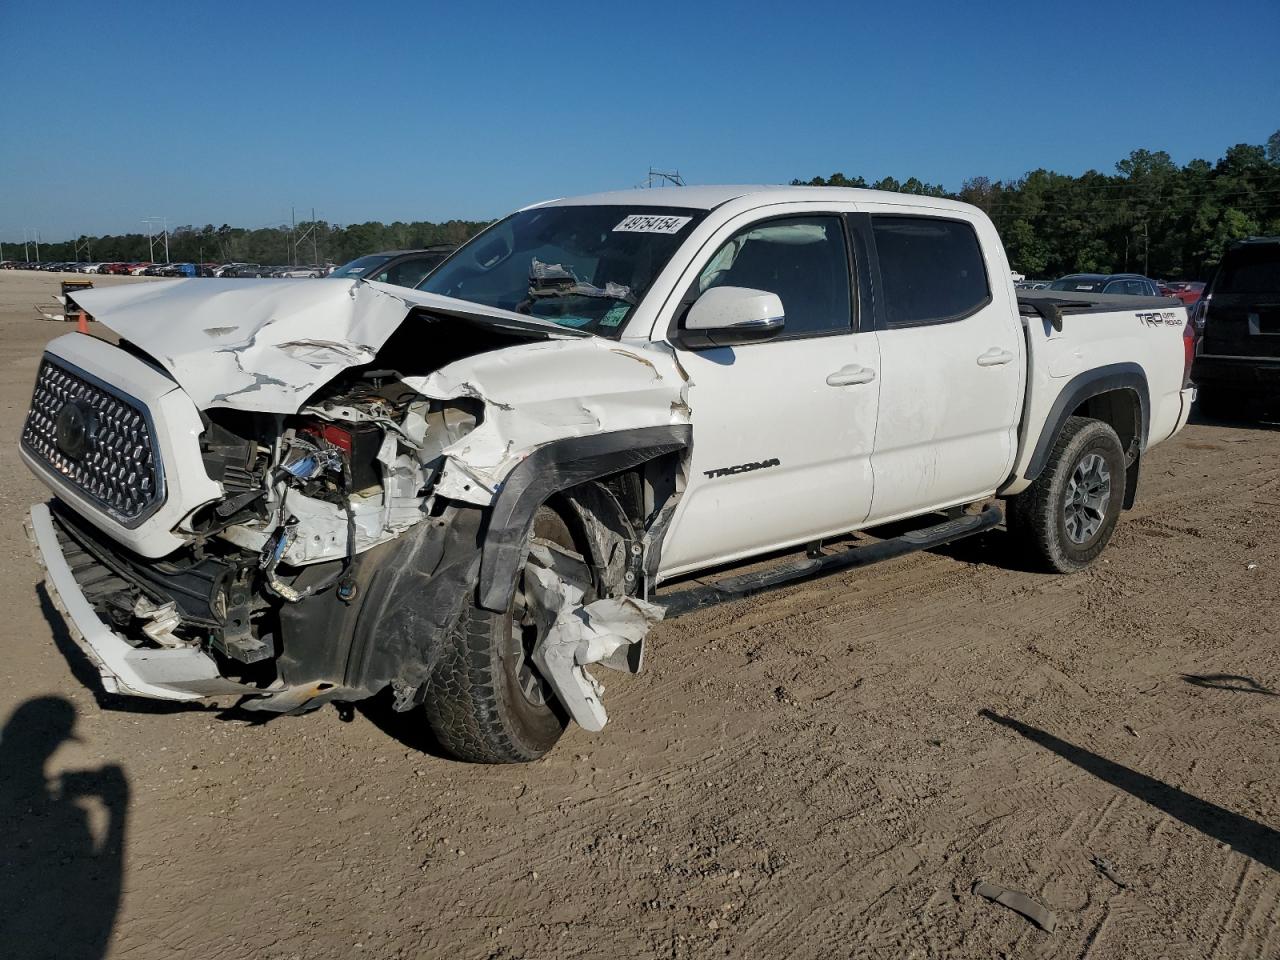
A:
103, 446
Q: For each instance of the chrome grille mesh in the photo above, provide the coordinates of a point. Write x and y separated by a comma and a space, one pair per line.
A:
117, 467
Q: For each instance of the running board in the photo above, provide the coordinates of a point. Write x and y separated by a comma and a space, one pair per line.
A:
748, 584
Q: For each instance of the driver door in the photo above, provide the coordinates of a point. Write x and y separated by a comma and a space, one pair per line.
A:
782, 429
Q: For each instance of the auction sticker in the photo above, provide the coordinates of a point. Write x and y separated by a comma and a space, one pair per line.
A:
651, 223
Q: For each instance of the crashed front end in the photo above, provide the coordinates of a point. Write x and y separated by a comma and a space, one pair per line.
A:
286, 494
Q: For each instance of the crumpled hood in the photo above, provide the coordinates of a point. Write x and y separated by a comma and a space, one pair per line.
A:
267, 345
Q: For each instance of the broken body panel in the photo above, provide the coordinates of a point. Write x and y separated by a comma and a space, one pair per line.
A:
349, 453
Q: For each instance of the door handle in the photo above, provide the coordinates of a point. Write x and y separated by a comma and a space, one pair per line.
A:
994, 357
851, 375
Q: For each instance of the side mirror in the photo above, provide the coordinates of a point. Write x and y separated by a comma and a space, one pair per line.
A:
728, 316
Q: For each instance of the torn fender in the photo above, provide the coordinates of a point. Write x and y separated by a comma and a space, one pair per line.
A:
267, 345
546, 392
574, 634
558, 466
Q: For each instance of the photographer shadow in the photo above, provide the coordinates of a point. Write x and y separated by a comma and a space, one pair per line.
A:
61, 840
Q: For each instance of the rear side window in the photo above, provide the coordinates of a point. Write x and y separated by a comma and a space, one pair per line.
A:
1133, 288
1250, 270
931, 269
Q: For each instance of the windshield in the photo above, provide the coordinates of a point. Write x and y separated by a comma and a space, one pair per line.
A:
1078, 284
1250, 270
361, 266
582, 267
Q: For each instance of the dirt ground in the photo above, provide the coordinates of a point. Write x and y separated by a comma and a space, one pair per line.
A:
822, 772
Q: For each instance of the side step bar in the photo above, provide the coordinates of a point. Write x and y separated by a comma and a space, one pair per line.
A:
748, 584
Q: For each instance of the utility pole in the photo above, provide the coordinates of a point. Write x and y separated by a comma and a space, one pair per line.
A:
293, 232
37, 246
151, 243
1146, 249
26, 252
297, 241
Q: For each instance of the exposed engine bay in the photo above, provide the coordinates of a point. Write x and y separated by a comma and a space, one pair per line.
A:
353, 469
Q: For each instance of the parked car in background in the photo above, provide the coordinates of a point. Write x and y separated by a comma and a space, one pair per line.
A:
404, 268
1238, 364
1125, 284
302, 273
1188, 291
139, 268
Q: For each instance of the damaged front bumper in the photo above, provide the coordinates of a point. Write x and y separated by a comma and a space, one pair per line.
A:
164, 674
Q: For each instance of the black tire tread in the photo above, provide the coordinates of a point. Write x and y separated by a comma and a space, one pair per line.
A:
466, 700
1031, 516
472, 700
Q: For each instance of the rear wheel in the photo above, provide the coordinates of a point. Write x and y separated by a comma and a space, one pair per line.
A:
1067, 516
486, 701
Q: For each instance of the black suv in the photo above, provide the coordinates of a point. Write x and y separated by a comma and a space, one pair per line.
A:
404, 268
1238, 364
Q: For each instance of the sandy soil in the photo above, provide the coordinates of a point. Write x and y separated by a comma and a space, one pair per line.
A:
823, 772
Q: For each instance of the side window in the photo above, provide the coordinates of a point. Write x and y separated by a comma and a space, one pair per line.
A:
409, 273
802, 259
1115, 286
931, 269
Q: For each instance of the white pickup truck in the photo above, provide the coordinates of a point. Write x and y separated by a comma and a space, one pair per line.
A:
468, 493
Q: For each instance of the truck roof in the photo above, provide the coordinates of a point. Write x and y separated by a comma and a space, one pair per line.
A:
710, 197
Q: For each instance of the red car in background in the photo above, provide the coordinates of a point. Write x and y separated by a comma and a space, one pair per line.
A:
1188, 291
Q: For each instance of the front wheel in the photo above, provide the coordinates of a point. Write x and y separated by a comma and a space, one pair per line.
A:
1068, 514
486, 701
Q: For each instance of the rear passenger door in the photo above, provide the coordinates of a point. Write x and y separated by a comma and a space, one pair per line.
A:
952, 360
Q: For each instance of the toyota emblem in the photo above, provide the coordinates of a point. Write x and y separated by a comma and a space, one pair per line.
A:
75, 428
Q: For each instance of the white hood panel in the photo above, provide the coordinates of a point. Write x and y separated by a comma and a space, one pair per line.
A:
267, 345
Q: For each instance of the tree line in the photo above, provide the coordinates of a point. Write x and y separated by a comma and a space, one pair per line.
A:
1150, 216
306, 243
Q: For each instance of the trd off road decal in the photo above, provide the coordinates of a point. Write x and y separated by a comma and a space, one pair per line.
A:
1167, 318
742, 468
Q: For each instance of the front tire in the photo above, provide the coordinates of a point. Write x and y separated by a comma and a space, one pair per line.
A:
1065, 519
486, 701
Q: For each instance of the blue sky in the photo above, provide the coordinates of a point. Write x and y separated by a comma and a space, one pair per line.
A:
230, 112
